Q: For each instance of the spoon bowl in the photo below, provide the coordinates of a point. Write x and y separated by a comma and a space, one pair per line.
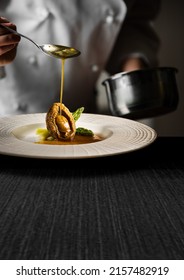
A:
57, 51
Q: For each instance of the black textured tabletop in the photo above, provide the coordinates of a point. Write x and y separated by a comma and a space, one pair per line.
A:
129, 206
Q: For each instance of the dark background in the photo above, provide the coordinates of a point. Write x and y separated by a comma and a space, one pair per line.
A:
170, 27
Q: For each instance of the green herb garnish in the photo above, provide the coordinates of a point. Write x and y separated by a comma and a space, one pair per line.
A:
84, 131
77, 113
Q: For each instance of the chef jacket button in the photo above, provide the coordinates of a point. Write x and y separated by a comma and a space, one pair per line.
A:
94, 68
109, 18
42, 12
22, 108
33, 60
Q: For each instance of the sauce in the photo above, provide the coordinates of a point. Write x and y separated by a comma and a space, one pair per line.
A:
62, 79
59, 51
78, 139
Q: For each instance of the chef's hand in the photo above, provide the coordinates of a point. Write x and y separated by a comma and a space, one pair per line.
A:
8, 42
131, 64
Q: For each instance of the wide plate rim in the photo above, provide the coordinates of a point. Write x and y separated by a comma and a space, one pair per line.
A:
124, 136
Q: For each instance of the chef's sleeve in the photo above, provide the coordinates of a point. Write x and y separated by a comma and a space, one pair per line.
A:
137, 36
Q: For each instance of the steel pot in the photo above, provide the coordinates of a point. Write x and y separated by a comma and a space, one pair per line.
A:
142, 93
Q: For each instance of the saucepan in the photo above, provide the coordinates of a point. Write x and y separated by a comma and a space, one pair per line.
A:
142, 93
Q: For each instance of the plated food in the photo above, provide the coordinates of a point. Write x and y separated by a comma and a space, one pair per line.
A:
18, 137
61, 127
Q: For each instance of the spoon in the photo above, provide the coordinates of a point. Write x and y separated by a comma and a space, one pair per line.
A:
57, 51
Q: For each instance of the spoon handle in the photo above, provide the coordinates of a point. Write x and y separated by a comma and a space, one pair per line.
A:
17, 33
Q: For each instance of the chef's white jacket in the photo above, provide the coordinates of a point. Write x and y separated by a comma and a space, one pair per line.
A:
105, 31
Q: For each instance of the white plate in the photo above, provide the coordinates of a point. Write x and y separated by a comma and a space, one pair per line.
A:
18, 136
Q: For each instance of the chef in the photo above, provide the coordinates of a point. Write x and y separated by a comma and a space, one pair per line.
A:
112, 36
